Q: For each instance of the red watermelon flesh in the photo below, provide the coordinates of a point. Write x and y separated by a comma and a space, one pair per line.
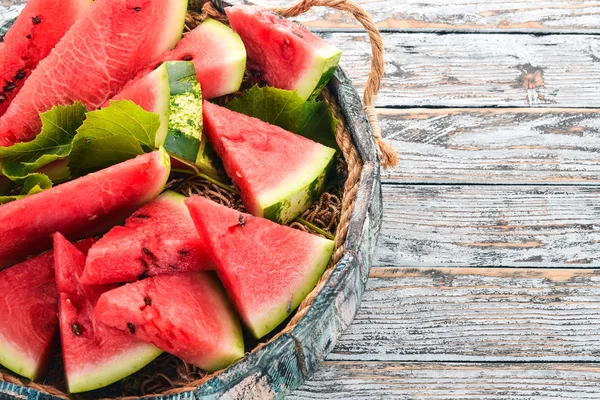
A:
94, 355
41, 24
80, 208
287, 55
266, 268
187, 315
105, 48
218, 54
279, 173
28, 314
159, 238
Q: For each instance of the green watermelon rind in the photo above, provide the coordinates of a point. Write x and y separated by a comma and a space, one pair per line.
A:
261, 327
113, 370
16, 361
326, 61
284, 203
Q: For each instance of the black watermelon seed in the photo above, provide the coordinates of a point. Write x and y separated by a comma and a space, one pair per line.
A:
28, 36
36, 20
242, 220
1, 38
147, 301
9, 86
21, 74
187, 58
146, 251
131, 328
142, 216
184, 253
158, 65
2, 98
76, 329
137, 9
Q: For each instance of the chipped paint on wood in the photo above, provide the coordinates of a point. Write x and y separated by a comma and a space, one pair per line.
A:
466, 70
489, 226
475, 314
489, 146
452, 381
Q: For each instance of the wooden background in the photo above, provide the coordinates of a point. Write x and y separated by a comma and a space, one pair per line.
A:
485, 282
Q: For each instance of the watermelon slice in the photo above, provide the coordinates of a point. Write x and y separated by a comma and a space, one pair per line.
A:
218, 54
28, 314
159, 238
28, 319
172, 91
94, 355
187, 315
279, 173
266, 268
101, 52
41, 24
81, 207
287, 55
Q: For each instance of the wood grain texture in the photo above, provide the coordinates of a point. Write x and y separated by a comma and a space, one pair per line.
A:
490, 226
386, 380
494, 146
534, 15
469, 70
475, 314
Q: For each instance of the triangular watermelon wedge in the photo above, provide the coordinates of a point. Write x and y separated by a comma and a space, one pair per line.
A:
94, 355
266, 268
278, 173
28, 319
28, 313
187, 315
159, 238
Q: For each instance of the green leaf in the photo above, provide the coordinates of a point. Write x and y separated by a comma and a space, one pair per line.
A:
32, 184
59, 126
284, 108
112, 135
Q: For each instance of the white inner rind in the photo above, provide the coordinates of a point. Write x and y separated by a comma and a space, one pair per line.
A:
324, 59
16, 360
124, 364
294, 192
236, 53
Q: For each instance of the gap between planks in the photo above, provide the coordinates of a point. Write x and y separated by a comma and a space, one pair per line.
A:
369, 380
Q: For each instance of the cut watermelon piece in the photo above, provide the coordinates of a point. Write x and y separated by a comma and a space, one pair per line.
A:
101, 52
28, 314
187, 315
218, 54
159, 238
279, 173
94, 355
80, 208
287, 55
28, 319
41, 24
172, 91
266, 268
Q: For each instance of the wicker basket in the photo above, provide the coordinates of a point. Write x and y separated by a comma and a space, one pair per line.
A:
281, 364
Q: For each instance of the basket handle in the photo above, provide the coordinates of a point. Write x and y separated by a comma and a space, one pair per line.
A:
389, 157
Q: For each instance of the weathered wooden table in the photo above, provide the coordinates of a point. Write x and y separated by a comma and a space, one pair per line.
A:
484, 284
